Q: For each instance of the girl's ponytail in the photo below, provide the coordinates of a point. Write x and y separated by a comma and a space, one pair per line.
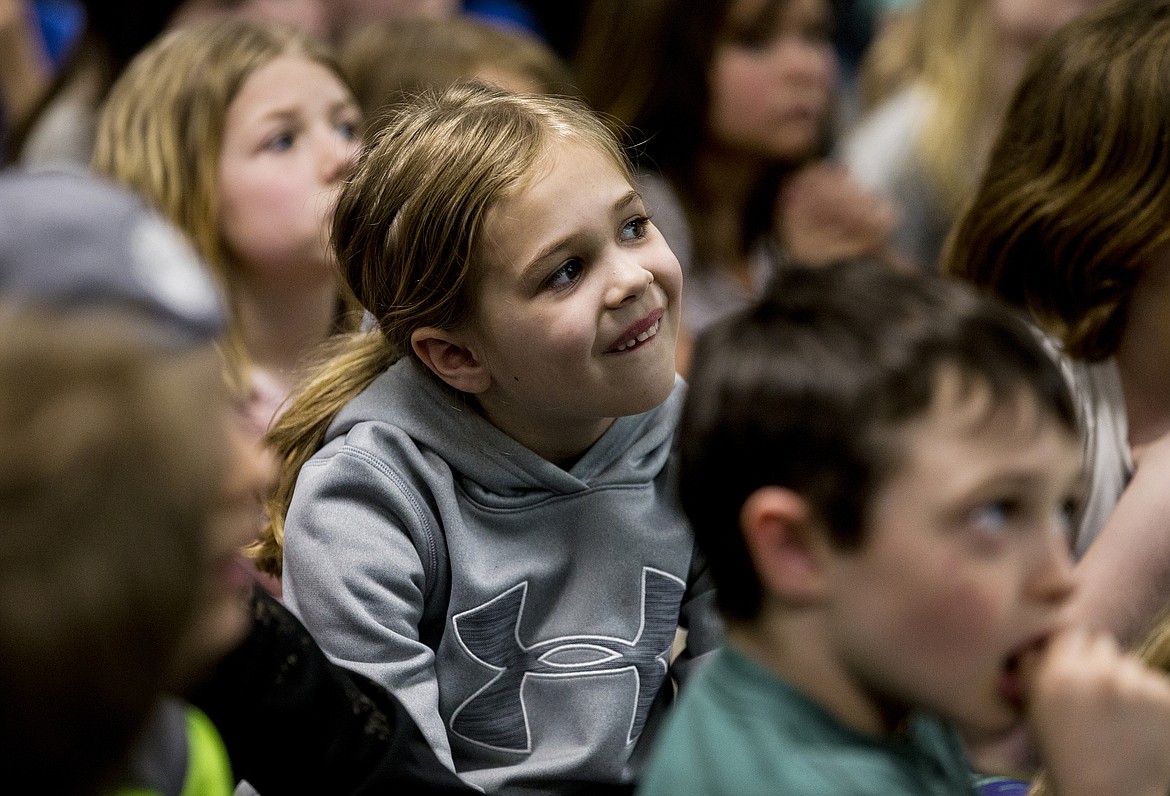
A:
353, 362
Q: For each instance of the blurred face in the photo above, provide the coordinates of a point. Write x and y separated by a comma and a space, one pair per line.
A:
579, 305
966, 565
1020, 27
223, 615
1027, 23
772, 78
289, 138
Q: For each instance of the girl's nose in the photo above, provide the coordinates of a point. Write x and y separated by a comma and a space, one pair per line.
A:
337, 156
811, 61
629, 280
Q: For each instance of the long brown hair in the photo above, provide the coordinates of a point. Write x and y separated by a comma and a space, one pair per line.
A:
646, 63
1076, 197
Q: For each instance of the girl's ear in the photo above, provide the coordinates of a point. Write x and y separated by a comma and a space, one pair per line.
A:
788, 548
450, 360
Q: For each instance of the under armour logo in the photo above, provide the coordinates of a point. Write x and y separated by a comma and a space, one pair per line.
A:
495, 715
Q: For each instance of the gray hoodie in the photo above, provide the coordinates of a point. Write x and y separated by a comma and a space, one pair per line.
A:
524, 614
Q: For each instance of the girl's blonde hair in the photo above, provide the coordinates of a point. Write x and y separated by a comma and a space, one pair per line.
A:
161, 129
946, 47
957, 49
407, 230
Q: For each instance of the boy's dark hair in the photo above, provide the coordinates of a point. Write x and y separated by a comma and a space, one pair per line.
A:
803, 389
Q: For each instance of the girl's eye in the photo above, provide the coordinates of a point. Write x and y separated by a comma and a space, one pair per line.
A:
348, 129
635, 228
565, 276
280, 142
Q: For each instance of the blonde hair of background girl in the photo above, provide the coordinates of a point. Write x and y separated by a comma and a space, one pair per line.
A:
407, 229
947, 46
161, 132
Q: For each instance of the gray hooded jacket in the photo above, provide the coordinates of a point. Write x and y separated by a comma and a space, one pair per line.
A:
524, 614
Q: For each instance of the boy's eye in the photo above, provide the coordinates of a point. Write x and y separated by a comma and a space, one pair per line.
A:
993, 516
566, 275
1066, 519
635, 228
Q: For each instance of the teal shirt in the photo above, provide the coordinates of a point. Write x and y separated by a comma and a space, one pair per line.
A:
739, 729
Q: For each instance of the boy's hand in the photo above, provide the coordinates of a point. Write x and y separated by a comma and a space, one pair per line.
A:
1100, 718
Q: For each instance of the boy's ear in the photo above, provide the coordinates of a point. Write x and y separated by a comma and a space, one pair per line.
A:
449, 359
788, 547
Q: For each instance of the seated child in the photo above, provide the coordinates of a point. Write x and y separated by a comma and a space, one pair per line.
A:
880, 468
116, 531
127, 485
109, 469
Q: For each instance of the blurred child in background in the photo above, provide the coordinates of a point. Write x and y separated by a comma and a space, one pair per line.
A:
241, 133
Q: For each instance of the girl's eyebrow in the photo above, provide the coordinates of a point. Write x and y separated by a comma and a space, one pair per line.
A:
293, 110
623, 202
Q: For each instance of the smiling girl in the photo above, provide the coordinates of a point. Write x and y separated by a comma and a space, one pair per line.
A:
482, 519
241, 134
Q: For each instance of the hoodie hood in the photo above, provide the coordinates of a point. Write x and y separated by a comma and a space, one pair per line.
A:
409, 403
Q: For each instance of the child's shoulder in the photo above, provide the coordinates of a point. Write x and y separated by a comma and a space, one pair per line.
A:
740, 729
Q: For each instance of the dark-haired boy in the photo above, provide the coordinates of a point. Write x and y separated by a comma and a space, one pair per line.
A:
879, 468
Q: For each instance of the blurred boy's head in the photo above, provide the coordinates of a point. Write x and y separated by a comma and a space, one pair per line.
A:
109, 475
889, 460
117, 459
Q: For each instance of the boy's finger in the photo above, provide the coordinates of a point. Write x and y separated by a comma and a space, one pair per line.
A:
1070, 644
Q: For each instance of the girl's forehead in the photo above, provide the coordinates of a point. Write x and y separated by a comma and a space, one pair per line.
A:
563, 142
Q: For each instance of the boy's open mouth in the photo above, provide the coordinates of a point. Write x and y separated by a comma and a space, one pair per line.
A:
1011, 684
1011, 680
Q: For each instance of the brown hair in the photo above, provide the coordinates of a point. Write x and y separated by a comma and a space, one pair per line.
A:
808, 388
1074, 202
647, 63
394, 59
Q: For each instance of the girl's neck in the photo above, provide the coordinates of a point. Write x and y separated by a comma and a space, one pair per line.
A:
279, 326
1145, 383
560, 440
1143, 356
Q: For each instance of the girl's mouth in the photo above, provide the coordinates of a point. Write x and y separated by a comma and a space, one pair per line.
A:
638, 333
641, 338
